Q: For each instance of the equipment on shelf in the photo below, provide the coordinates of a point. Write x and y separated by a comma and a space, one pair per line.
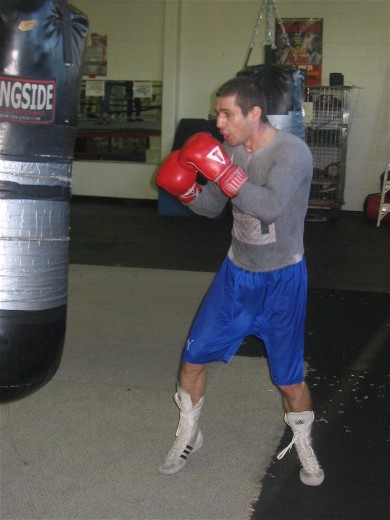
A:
326, 134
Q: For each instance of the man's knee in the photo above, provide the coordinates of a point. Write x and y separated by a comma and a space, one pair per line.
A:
192, 369
293, 391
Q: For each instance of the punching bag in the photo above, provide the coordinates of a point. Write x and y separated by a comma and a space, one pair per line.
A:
284, 87
42, 45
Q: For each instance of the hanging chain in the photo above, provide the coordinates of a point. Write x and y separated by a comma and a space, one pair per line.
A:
278, 18
257, 26
269, 40
270, 9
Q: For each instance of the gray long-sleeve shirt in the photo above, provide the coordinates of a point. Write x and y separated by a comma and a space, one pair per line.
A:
269, 211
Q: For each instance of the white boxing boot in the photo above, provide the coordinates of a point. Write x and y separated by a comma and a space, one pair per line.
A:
189, 438
311, 473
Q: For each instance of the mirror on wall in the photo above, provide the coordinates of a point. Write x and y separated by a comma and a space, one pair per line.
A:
119, 121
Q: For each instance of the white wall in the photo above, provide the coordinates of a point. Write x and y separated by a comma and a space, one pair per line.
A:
135, 34
215, 36
212, 39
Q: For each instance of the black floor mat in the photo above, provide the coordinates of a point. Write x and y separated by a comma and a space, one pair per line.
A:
348, 253
348, 352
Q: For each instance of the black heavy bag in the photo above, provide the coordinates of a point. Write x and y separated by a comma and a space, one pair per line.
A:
42, 45
284, 87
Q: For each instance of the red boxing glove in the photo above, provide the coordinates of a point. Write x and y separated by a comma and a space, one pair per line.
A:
178, 180
207, 156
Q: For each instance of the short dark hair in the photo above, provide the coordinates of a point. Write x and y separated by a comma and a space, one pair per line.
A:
248, 94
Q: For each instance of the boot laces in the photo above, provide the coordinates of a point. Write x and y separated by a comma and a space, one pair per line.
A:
305, 452
182, 426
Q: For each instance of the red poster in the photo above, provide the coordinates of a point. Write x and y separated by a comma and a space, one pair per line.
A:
298, 42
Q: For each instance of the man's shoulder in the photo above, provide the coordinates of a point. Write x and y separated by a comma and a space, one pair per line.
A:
289, 137
291, 140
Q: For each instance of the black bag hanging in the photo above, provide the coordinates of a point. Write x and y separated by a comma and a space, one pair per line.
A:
42, 44
284, 85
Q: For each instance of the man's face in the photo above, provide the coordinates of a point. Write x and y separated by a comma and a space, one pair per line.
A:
235, 128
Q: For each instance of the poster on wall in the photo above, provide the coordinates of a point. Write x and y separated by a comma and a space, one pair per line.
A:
143, 89
299, 43
95, 63
95, 88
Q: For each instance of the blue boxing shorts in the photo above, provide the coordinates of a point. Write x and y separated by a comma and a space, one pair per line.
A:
270, 305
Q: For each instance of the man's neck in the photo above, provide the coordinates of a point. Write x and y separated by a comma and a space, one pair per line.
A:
263, 135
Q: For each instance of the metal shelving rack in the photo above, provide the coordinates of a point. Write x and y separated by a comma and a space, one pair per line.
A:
326, 133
